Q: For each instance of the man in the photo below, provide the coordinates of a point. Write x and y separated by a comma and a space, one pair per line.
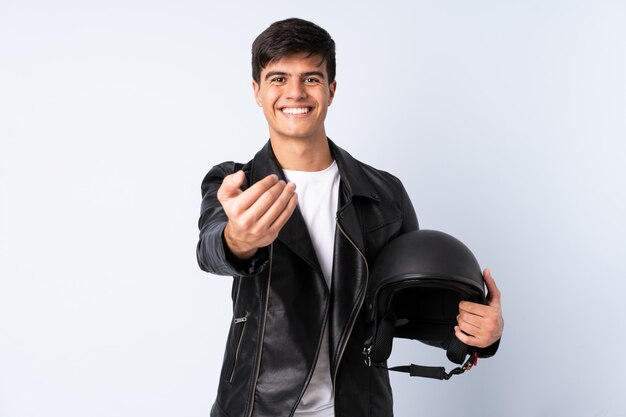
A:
300, 260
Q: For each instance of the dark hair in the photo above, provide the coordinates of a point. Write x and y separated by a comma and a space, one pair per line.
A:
290, 36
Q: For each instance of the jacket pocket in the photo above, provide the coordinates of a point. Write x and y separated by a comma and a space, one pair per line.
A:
239, 328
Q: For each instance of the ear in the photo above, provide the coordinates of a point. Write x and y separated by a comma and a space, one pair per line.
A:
257, 93
332, 87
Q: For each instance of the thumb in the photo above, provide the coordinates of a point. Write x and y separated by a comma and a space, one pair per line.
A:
231, 186
493, 297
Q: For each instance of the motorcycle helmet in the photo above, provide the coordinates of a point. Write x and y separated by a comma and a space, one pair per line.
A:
414, 290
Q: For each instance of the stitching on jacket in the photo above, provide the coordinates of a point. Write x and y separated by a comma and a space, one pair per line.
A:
385, 223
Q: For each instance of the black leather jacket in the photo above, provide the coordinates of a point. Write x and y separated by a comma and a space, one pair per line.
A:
281, 302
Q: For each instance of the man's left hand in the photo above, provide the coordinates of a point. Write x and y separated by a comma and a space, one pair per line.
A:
481, 325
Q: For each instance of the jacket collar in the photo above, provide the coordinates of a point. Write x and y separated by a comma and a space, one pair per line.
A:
354, 179
352, 176
354, 183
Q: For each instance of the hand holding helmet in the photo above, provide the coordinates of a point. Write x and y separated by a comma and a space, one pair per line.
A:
481, 325
427, 285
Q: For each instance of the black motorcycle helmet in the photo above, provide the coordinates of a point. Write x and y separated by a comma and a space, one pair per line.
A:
414, 291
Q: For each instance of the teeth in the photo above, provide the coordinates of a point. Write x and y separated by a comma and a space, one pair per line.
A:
296, 110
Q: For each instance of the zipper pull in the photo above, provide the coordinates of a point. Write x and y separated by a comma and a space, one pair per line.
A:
241, 319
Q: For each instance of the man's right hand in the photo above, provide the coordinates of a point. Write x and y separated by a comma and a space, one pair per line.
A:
255, 216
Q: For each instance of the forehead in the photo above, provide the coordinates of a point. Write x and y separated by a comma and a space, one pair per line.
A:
298, 63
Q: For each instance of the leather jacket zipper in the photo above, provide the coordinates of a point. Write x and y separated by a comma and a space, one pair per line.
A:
264, 320
240, 321
367, 274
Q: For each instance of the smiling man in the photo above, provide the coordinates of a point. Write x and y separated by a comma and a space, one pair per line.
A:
295, 93
297, 227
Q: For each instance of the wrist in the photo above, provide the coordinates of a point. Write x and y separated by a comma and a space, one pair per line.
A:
236, 247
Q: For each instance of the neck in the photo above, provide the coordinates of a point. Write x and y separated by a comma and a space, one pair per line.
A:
302, 154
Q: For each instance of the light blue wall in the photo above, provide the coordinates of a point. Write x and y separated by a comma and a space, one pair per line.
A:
505, 120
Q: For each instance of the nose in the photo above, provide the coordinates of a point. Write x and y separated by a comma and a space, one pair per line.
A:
295, 90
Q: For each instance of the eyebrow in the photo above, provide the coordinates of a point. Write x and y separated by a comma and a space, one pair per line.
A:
304, 74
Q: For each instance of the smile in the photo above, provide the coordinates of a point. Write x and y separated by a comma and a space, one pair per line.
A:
296, 110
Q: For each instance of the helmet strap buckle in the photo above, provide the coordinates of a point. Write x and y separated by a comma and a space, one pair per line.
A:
367, 352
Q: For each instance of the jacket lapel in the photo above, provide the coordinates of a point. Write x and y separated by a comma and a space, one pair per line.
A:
350, 269
294, 234
350, 275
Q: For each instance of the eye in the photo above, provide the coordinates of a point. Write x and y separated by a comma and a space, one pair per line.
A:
278, 80
311, 80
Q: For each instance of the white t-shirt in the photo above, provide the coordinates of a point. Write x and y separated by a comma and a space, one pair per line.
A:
318, 194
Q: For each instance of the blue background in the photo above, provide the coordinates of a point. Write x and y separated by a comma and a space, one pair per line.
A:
504, 119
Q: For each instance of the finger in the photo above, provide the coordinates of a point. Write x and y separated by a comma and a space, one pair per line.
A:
470, 339
277, 205
230, 187
494, 296
268, 201
247, 198
285, 214
470, 320
473, 308
464, 337
468, 331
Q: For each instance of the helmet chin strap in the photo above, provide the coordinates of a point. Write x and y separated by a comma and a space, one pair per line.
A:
434, 372
378, 348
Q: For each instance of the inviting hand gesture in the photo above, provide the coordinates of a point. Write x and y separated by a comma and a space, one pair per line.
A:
255, 216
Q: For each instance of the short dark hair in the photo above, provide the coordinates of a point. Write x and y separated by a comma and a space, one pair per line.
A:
290, 36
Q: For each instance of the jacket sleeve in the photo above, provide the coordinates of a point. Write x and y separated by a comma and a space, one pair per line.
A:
212, 252
489, 351
409, 218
